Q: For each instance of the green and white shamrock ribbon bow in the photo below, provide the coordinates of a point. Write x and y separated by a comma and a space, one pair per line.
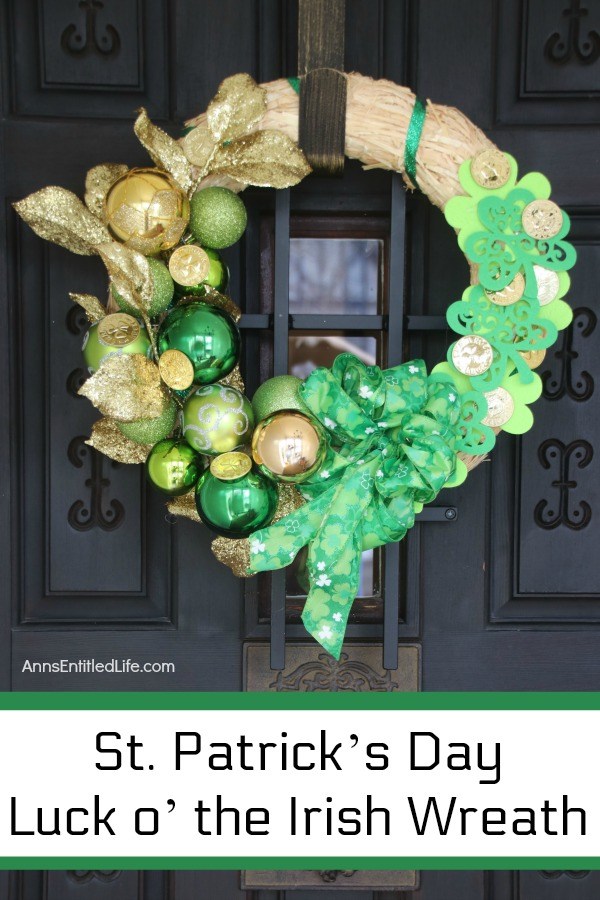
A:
391, 449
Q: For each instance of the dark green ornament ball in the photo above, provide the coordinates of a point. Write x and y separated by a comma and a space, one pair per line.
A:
280, 392
149, 431
218, 217
164, 288
173, 467
235, 509
208, 337
217, 278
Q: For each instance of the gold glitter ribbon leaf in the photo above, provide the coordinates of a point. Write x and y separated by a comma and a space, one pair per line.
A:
94, 309
184, 506
235, 380
97, 183
106, 438
164, 151
215, 298
129, 272
235, 553
264, 159
126, 388
57, 215
237, 107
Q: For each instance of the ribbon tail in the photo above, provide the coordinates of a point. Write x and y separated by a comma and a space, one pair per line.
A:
275, 546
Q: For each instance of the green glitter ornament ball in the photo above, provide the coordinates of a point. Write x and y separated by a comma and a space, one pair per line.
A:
235, 509
149, 431
276, 394
173, 467
208, 337
218, 217
164, 288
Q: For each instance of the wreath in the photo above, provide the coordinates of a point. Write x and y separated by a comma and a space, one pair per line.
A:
344, 460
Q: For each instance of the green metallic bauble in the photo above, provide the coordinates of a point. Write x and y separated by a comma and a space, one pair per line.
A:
276, 394
216, 419
217, 278
114, 335
218, 217
235, 509
173, 467
208, 337
162, 294
149, 431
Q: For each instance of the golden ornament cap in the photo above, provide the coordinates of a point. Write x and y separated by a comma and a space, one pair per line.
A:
230, 466
472, 355
490, 169
501, 406
542, 219
548, 284
118, 330
534, 358
176, 370
189, 265
510, 294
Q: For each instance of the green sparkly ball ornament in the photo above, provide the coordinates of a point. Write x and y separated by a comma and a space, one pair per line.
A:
149, 431
208, 337
173, 467
114, 335
216, 419
280, 392
162, 293
217, 278
218, 217
235, 509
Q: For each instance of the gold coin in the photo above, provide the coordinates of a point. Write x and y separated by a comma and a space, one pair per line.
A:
490, 169
510, 294
501, 406
548, 284
189, 265
176, 370
229, 466
118, 330
534, 358
472, 355
542, 219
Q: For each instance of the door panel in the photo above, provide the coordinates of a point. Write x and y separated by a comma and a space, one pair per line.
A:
502, 596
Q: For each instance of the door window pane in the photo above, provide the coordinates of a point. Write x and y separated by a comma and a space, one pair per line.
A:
337, 276
307, 351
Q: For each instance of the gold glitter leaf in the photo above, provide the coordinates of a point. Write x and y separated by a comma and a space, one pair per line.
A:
198, 145
126, 388
237, 107
57, 215
106, 438
264, 159
235, 380
97, 183
164, 151
184, 506
129, 273
215, 298
94, 309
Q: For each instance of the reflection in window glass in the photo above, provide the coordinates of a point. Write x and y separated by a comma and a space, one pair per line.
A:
297, 584
338, 276
307, 351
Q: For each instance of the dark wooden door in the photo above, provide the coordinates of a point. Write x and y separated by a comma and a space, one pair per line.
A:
487, 593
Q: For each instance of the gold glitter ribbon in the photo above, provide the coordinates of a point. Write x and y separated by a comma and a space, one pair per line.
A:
215, 298
94, 309
237, 107
263, 159
107, 438
127, 388
184, 506
164, 151
98, 181
57, 215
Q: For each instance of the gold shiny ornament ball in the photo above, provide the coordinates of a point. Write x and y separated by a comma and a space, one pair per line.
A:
288, 446
143, 203
490, 169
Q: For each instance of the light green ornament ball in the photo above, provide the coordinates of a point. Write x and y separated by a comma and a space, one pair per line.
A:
218, 217
280, 392
149, 431
164, 288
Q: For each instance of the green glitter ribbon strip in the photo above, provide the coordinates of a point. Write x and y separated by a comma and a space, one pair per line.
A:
413, 138
393, 437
